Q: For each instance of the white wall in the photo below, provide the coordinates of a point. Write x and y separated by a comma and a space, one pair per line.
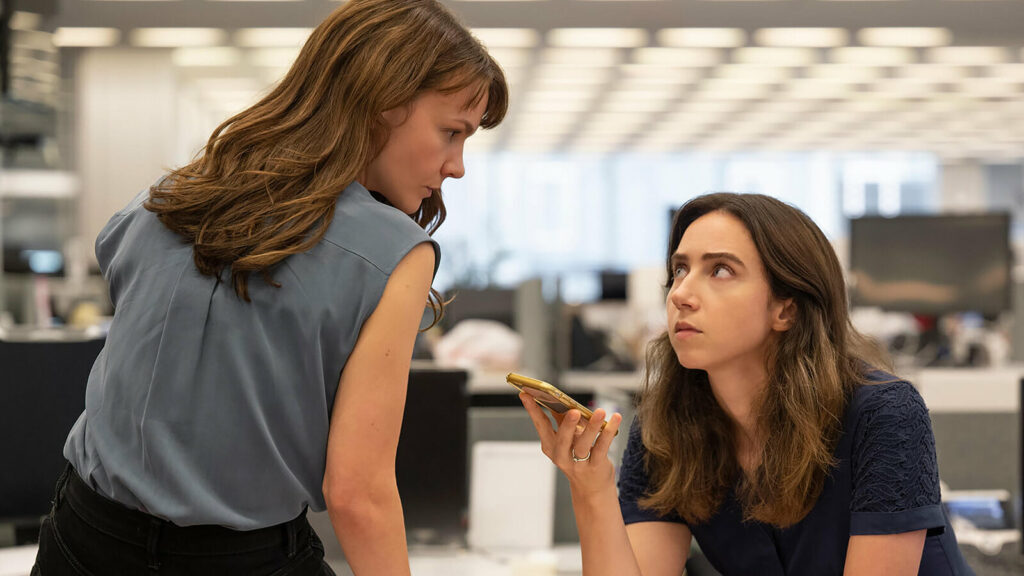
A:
125, 128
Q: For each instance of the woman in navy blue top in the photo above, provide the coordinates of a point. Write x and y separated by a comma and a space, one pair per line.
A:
767, 428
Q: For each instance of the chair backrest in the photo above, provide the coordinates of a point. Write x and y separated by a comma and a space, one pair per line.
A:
42, 394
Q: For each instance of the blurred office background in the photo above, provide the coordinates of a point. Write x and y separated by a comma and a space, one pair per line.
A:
897, 125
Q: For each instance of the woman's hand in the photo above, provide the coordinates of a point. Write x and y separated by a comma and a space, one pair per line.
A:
580, 452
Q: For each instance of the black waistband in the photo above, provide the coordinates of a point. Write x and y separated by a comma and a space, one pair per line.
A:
137, 527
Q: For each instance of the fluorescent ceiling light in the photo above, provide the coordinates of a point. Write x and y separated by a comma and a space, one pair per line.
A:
909, 37
507, 37
989, 87
775, 56
643, 94
596, 57
753, 73
683, 57
273, 57
968, 55
567, 75
1007, 71
206, 56
702, 37
86, 37
648, 74
935, 72
597, 37
635, 105
630, 119
815, 89
754, 91
272, 37
703, 108
871, 56
569, 106
802, 37
177, 37
510, 57
844, 73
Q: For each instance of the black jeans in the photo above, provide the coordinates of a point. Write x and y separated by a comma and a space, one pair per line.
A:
87, 534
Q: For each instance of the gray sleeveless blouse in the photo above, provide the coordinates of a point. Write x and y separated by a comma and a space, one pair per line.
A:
205, 409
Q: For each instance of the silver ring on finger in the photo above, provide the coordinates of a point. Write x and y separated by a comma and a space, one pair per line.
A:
578, 459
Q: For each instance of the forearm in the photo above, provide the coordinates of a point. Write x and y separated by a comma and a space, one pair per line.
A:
603, 539
371, 531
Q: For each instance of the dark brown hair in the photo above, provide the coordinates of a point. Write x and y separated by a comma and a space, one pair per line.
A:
812, 369
265, 185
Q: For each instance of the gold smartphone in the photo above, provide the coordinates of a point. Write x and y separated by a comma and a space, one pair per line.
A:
548, 396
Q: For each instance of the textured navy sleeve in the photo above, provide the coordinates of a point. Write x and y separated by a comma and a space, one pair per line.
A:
635, 484
895, 474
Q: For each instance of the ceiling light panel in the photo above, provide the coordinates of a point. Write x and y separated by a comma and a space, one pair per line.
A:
507, 37
272, 37
206, 56
702, 37
935, 72
86, 37
968, 55
682, 57
908, 37
753, 73
802, 37
872, 56
177, 37
511, 57
597, 37
273, 57
775, 56
595, 57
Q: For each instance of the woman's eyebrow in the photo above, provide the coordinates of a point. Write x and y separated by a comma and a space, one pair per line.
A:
680, 258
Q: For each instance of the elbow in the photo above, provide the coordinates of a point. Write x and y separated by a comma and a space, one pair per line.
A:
358, 500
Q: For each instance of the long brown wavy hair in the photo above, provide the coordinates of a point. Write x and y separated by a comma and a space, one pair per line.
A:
266, 183
812, 370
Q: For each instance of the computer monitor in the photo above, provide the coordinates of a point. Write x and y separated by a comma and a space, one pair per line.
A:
497, 304
432, 466
931, 264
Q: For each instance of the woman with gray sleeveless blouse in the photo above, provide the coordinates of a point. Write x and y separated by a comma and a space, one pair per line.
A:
267, 297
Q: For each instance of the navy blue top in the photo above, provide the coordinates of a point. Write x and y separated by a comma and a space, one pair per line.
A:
886, 482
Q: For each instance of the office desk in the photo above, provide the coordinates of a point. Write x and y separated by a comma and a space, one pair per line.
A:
559, 561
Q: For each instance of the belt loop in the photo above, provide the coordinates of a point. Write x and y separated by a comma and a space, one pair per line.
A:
151, 544
290, 529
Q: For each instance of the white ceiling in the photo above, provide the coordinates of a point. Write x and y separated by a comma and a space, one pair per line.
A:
662, 75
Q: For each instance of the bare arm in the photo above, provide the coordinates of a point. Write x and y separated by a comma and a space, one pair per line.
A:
609, 548
885, 555
359, 483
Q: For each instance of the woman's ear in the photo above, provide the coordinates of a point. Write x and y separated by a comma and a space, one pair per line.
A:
783, 314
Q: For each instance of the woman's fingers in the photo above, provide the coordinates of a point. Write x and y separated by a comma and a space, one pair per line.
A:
565, 436
604, 441
540, 420
585, 440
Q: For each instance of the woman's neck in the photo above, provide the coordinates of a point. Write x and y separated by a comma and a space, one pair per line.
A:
737, 391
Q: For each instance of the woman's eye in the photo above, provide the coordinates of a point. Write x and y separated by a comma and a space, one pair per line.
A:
678, 272
721, 271
451, 134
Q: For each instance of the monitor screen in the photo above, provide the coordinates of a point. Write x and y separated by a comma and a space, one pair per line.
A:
931, 264
432, 466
